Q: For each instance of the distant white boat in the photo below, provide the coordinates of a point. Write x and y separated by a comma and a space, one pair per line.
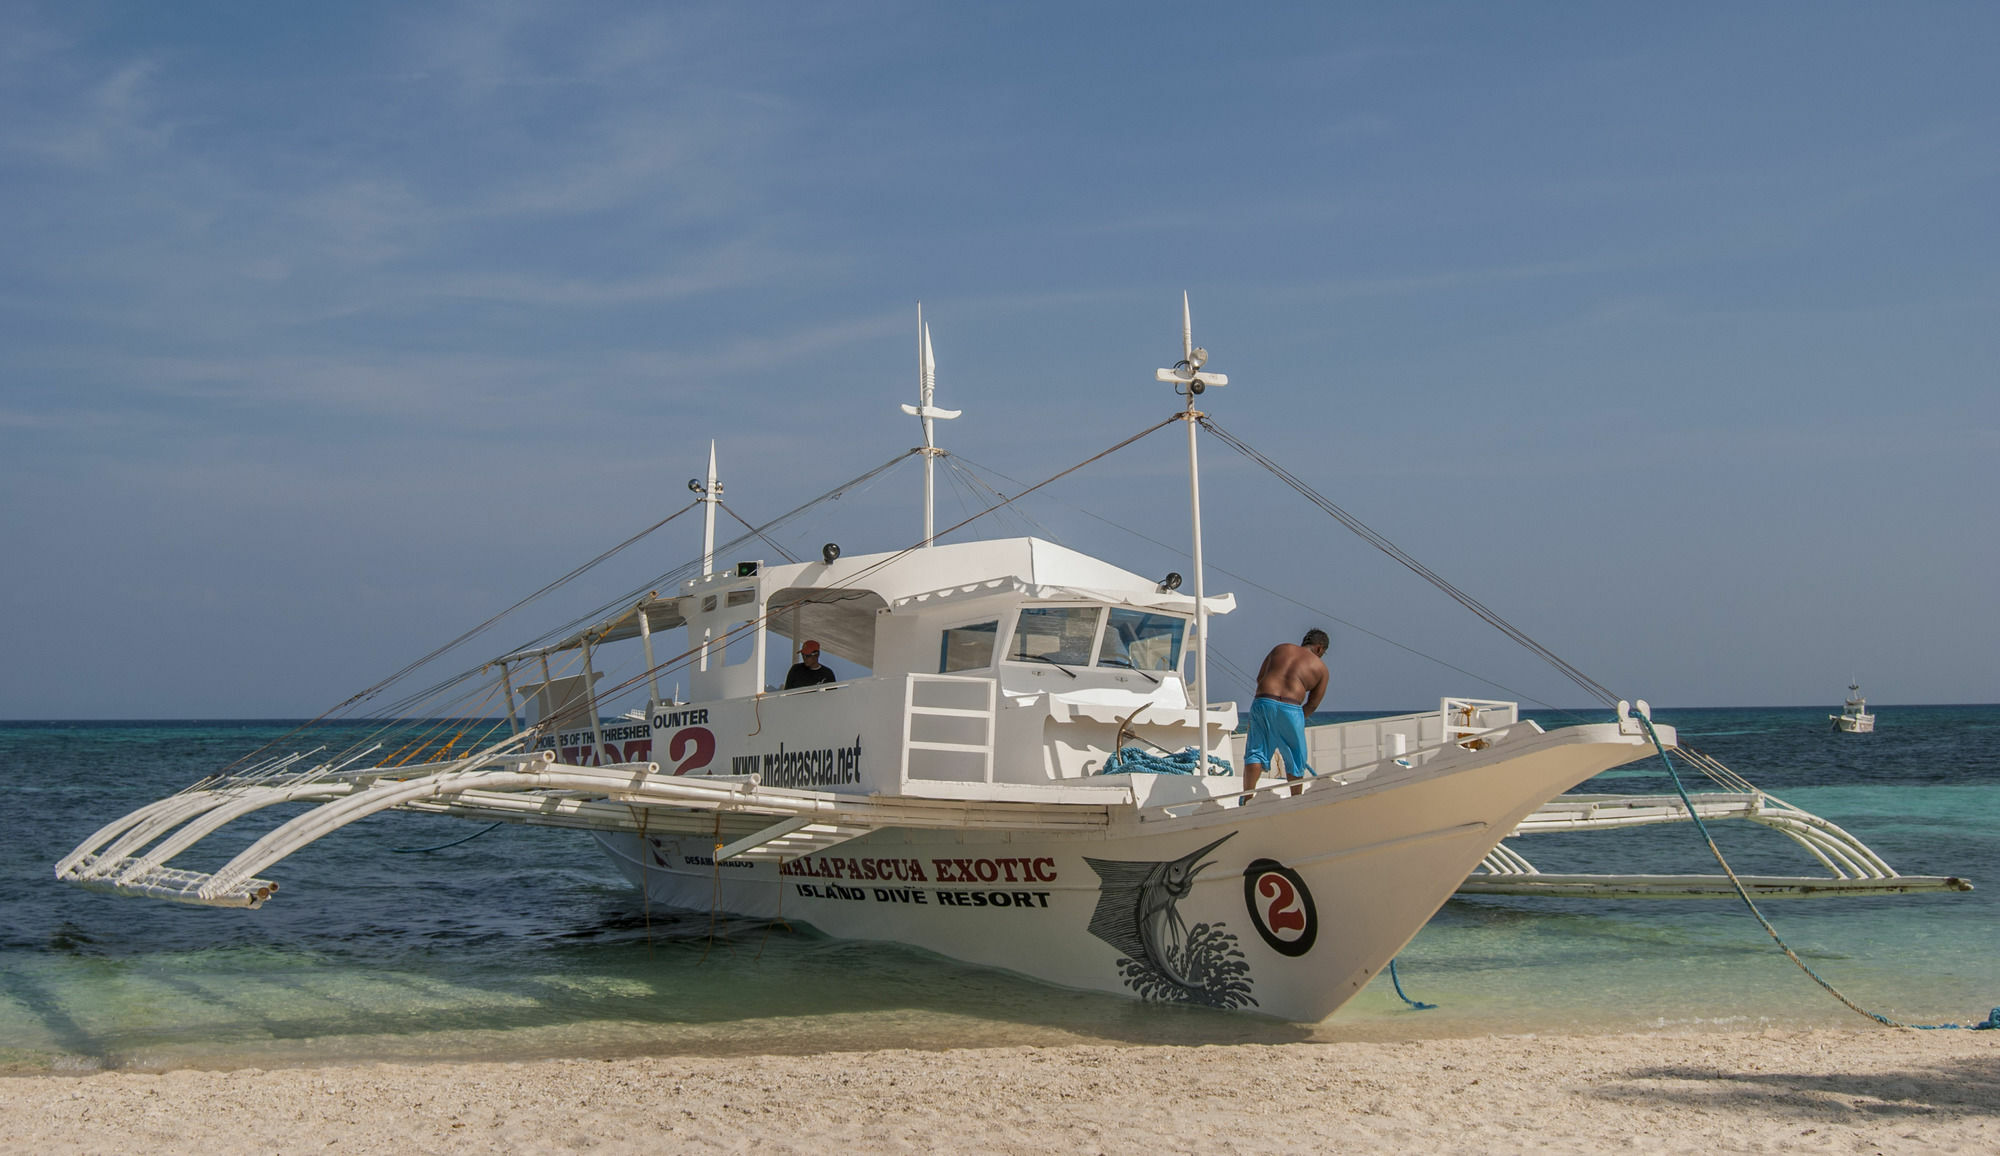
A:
1854, 718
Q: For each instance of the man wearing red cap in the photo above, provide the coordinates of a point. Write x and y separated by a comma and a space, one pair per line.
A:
807, 671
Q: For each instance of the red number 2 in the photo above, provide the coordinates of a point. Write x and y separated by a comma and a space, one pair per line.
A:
1284, 913
703, 742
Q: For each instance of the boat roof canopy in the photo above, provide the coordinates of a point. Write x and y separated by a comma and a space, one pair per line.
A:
1025, 567
1164, 600
836, 603
660, 613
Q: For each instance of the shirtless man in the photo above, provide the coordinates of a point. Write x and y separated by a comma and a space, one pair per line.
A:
1289, 687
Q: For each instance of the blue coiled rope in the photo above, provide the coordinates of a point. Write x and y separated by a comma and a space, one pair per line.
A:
1133, 761
1992, 1021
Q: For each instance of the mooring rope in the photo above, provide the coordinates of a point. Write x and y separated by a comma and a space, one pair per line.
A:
1992, 1021
715, 886
1415, 1004
442, 846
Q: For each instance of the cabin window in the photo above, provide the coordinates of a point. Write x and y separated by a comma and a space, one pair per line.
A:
743, 597
968, 647
708, 603
1058, 634
1142, 640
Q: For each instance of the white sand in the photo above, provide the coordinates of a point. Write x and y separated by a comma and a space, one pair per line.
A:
1815, 1091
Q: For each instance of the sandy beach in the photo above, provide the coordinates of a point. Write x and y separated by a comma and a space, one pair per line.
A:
1815, 1091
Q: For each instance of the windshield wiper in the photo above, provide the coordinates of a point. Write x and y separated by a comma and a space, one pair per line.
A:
1127, 664
1047, 659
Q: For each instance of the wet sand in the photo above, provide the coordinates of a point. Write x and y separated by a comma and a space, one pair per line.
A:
1774, 1091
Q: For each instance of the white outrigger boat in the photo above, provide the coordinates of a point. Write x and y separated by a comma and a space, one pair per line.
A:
1854, 718
989, 790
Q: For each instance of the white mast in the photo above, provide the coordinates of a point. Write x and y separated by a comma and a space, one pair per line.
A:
711, 493
926, 386
1188, 380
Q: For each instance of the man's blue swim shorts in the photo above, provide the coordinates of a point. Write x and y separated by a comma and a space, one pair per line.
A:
1278, 726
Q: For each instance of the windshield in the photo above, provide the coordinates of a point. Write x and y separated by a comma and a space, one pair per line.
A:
1142, 640
1060, 634
967, 647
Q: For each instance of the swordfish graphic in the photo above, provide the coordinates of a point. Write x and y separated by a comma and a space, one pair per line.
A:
1137, 910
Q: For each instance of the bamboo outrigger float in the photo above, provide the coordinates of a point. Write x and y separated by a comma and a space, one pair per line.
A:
980, 791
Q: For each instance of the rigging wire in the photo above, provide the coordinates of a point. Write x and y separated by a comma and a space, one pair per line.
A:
1328, 615
400, 713
670, 578
1230, 668
363, 695
979, 483
890, 559
961, 494
1590, 685
543, 727
787, 555
1710, 766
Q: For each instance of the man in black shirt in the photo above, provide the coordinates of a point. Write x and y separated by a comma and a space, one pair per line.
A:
807, 671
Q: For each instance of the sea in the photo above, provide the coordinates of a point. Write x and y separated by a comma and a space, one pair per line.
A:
402, 939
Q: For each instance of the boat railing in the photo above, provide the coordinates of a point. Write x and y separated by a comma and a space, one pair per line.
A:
1467, 718
1336, 748
948, 724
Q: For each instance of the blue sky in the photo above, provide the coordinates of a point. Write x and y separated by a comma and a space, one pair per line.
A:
1670, 332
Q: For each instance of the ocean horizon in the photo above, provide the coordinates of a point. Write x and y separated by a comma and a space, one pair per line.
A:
414, 937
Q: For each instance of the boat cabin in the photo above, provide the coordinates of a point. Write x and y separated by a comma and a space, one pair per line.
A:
995, 662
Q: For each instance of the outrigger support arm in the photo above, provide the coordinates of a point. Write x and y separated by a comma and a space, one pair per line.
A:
1853, 868
760, 822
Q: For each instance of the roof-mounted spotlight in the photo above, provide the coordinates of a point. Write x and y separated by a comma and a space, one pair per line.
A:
1171, 582
1189, 376
694, 484
829, 552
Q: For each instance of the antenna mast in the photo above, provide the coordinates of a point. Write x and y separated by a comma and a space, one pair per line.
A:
710, 493
924, 410
1189, 381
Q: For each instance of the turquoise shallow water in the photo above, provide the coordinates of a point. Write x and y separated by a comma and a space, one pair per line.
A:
524, 943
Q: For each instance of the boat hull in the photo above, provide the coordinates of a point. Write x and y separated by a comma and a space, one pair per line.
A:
1286, 907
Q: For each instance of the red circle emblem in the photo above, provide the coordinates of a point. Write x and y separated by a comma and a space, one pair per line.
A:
1281, 906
